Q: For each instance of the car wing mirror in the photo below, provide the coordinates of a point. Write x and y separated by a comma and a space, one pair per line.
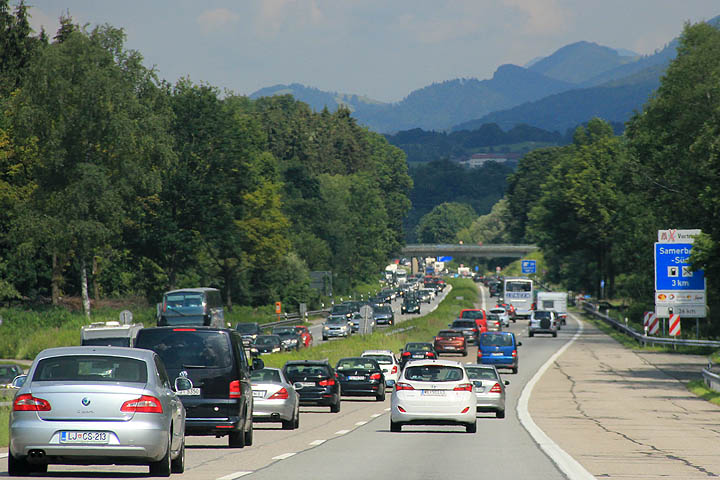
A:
507, 382
183, 383
519, 344
19, 381
257, 364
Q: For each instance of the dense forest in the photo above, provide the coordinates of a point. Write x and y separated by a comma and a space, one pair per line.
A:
115, 183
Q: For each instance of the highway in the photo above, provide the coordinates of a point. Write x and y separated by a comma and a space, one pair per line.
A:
357, 443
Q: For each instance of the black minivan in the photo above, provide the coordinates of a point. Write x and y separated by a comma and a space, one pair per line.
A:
220, 400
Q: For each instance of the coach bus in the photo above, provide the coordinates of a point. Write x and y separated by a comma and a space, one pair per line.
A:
518, 291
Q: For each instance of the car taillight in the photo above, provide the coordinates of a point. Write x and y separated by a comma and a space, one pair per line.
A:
437, 339
394, 369
514, 353
496, 388
235, 389
144, 404
430, 355
403, 386
406, 354
281, 394
479, 355
327, 383
184, 329
464, 387
375, 376
28, 403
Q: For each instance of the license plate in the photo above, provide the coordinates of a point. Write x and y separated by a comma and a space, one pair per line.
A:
190, 392
418, 356
449, 347
434, 393
479, 389
496, 354
259, 393
84, 437
307, 384
356, 377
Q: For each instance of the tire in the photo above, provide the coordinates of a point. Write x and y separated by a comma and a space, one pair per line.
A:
554, 334
395, 426
381, 397
297, 419
249, 435
17, 467
236, 439
288, 424
162, 467
500, 414
471, 427
335, 407
531, 334
324, 339
177, 465
515, 370
464, 352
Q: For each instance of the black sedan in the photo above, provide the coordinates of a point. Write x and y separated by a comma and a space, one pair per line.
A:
417, 351
289, 338
410, 305
361, 377
315, 382
265, 344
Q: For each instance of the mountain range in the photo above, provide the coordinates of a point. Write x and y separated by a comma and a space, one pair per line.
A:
555, 93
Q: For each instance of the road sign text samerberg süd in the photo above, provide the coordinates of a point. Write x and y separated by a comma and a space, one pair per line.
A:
678, 289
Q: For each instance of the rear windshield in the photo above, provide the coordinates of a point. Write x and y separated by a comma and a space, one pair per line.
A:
449, 334
492, 340
472, 314
493, 316
357, 363
91, 368
186, 349
265, 375
463, 324
434, 373
340, 310
308, 370
542, 314
107, 342
424, 347
479, 373
381, 359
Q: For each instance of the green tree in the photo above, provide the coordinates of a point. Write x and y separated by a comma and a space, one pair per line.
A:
443, 223
490, 228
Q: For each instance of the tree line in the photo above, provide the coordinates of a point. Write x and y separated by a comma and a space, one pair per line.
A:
114, 182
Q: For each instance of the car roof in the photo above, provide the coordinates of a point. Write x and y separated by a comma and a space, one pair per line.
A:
481, 365
377, 352
307, 362
431, 361
138, 353
194, 290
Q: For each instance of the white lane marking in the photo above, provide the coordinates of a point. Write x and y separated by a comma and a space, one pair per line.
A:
284, 456
376, 415
360, 424
3, 455
233, 476
315, 443
568, 465
342, 432
387, 409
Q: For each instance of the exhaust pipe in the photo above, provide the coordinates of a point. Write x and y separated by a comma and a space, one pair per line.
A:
36, 456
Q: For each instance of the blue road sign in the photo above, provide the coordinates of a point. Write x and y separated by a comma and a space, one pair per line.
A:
445, 259
672, 272
528, 266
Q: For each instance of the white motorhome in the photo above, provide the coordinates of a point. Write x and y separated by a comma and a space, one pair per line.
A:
113, 334
555, 301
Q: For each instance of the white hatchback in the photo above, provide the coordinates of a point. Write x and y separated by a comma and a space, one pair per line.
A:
433, 392
388, 363
503, 314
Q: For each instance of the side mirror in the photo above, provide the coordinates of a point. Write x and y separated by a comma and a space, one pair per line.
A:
257, 364
183, 383
18, 381
519, 344
507, 382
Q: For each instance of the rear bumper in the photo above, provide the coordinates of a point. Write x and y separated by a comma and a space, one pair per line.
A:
273, 410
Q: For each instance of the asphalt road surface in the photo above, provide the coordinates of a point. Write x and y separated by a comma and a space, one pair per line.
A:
357, 443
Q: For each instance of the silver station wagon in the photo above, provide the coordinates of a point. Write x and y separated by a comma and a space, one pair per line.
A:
95, 406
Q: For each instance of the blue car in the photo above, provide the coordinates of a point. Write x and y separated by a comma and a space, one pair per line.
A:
499, 349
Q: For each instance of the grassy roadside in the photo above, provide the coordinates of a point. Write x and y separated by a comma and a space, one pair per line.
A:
463, 295
699, 388
5, 421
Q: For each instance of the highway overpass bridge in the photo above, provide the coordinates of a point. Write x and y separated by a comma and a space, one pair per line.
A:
460, 250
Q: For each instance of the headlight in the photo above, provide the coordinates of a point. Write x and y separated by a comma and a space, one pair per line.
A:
326, 328
253, 349
276, 349
293, 341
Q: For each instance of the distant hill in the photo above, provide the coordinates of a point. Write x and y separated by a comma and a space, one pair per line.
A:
578, 62
318, 99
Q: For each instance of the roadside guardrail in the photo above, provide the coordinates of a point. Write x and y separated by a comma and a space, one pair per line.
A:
292, 318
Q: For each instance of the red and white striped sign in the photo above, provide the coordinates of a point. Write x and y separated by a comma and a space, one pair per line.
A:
674, 325
651, 323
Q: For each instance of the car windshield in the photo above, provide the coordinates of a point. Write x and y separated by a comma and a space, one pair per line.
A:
300, 330
384, 309
9, 372
381, 359
422, 347
267, 340
265, 375
433, 373
340, 310
463, 324
473, 314
246, 328
90, 368
495, 340
362, 363
179, 348
336, 321
283, 331
480, 373
307, 370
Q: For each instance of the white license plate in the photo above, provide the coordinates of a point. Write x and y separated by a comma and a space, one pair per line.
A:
479, 389
84, 437
418, 356
259, 393
496, 354
189, 392
307, 384
356, 377
434, 393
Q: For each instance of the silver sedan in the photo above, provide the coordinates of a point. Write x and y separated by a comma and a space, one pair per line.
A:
489, 388
97, 406
274, 398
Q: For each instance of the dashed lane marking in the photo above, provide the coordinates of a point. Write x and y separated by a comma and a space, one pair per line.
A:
387, 409
360, 424
284, 456
342, 432
315, 443
376, 415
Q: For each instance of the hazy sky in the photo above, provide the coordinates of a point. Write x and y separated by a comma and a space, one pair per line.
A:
380, 48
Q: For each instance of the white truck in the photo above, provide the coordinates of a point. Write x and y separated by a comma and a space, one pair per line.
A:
464, 272
113, 334
555, 301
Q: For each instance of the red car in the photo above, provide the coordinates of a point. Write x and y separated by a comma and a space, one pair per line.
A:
475, 314
306, 338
